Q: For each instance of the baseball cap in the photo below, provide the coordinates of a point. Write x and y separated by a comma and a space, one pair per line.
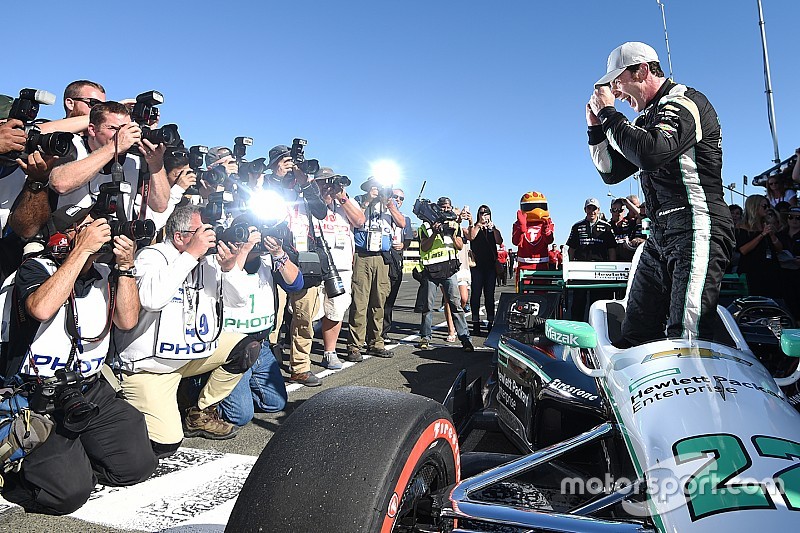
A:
5, 106
624, 56
591, 201
65, 217
217, 153
276, 153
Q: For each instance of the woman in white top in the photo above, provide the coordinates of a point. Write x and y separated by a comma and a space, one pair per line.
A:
777, 192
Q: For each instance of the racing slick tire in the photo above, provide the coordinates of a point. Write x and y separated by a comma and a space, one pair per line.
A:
352, 459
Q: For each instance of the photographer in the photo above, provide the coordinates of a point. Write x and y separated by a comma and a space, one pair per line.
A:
180, 178
111, 133
483, 239
58, 342
303, 196
262, 384
439, 244
183, 289
401, 240
371, 284
218, 157
337, 230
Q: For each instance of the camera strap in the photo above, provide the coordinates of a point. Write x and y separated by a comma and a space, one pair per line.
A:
72, 322
218, 308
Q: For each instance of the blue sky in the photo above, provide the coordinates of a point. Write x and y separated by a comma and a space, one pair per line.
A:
484, 100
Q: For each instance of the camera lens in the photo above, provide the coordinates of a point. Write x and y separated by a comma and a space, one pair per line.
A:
58, 143
135, 229
78, 411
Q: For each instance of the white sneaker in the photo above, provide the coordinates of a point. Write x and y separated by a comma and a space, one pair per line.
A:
331, 361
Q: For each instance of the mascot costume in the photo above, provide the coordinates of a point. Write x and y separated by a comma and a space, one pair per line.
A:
532, 233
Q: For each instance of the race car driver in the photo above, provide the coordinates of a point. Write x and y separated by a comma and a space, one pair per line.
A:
676, 142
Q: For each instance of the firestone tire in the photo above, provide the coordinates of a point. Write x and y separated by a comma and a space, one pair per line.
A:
351, 459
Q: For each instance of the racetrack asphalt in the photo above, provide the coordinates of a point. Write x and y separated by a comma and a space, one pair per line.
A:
428, 373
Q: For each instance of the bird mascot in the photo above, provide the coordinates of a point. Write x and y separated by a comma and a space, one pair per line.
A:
532, 233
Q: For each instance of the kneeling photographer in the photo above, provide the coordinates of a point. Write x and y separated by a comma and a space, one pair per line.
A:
440, 239
65, 302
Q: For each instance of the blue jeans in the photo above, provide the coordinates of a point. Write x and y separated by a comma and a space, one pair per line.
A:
450, 289
262, 386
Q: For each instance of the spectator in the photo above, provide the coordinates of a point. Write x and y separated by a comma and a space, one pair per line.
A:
623, 228
343, 217
179, 331
790, 271
590, 239
61, 325
483, 239
502, 260
401, 240
736, 214
758, 244
556, 258
439, 245
371, 283
262, 384
778, 192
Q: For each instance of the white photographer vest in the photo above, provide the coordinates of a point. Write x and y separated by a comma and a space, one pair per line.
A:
259, 312
51, 346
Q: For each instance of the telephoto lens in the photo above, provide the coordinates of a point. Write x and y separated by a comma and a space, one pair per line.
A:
334, 286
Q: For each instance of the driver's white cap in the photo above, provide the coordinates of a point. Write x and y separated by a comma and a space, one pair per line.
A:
624, 56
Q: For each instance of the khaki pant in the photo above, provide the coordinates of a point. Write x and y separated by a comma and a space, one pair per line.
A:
305, 306
370, 288
155, 395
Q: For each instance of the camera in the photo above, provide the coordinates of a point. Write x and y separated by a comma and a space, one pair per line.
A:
26, 108
432, 213
308, 166
240, 145
62, 392
214, 212
144, 112
110, 205
214, 176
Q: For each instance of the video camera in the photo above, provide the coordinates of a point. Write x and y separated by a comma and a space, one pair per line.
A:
308, 166
144, 113
26, 108
62, 392
430, 212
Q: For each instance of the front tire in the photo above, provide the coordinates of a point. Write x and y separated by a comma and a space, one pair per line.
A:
352, 459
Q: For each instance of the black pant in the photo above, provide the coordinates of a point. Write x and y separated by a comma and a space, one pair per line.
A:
389, 305
483, 282
58, 477
676, 286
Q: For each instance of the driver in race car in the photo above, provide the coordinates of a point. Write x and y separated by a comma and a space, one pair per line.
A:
676, 146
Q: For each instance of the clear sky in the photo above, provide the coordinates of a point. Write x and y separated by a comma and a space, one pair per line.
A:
484, 100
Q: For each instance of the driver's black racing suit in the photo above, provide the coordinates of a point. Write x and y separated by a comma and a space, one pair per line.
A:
676, 142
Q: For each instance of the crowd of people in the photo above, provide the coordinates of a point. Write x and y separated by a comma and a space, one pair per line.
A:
151, 290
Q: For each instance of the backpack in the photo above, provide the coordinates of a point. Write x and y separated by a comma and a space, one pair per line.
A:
21, 430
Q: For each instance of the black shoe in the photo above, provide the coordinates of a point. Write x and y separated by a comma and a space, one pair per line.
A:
467, 344
380, 352
309, 379
476, 329
353, 355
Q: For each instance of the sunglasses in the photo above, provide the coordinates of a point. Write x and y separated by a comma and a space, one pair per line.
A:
616, 210
793, 217
91, 102
398, 197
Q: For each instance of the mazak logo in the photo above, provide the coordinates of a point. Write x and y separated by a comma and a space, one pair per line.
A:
559, 337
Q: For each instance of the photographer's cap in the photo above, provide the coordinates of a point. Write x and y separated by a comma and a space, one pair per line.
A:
370, 183
66, 217
325, 173
277, 153
591, 201
624, 56
217, 153
5, 106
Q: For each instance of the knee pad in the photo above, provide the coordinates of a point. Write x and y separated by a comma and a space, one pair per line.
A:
243, 356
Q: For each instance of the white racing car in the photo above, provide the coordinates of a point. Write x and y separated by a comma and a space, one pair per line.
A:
674, 435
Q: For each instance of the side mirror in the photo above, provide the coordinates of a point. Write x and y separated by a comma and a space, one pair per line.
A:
790, 342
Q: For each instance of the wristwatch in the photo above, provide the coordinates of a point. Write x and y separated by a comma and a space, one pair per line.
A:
129, 273
36, 186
